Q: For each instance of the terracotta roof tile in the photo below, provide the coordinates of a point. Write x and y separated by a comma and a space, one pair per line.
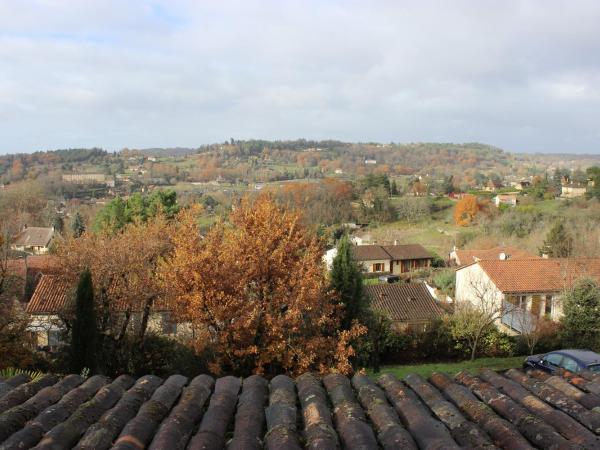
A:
539, 274
470, 256
49, 297
511, 410
51, 294
404, 302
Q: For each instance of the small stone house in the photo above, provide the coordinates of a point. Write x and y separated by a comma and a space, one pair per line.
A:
572, 191
33, 240
50, 301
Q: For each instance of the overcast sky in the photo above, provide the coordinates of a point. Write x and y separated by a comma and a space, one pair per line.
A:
522, 75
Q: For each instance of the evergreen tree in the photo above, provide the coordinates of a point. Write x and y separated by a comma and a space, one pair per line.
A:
558, 242
448, 184
84, 331
593, 174
346, 280
58, 223
394, 188
582, 316
78, 227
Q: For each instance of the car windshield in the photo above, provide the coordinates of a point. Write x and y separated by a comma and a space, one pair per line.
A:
594, 367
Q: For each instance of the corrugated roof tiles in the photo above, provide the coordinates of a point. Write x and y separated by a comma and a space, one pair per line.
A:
511, 410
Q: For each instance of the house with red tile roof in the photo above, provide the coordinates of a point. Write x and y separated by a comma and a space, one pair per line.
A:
49, 305
527, 288
500, 252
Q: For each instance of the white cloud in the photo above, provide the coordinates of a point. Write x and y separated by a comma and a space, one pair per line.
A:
516, 74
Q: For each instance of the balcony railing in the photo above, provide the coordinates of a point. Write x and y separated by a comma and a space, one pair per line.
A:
517, 318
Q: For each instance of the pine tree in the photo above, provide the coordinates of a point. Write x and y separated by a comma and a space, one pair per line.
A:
78, 227
346, 280
394, 188
558, 242
84, 330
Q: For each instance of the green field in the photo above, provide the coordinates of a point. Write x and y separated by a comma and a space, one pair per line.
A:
425, 370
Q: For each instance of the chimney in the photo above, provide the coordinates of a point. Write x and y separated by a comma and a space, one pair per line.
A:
395, 241
502, 256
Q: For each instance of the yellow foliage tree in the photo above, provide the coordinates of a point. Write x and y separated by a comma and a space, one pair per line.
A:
256, 294
465, 210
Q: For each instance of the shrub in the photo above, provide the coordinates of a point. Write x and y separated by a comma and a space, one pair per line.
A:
12, 371
437, 261
497, 344
445, 281
464, 237
158, 355
582, 315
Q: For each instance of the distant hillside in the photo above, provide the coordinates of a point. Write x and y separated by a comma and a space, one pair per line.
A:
263, 160
170, 151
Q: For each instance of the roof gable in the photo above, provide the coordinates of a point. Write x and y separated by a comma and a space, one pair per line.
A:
369, 253
49, 297
407, 251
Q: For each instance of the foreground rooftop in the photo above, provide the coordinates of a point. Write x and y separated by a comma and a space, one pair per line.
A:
513, 410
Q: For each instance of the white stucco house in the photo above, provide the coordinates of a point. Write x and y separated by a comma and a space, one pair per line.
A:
505, 199
525, 289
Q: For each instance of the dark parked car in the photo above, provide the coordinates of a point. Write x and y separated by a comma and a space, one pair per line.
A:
571, 360
389, 278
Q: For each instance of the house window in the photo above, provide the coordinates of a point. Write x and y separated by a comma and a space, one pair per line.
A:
54, 338
548, 306
378, 267
536, 305
520, 301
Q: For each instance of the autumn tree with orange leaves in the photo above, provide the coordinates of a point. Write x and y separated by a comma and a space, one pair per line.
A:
256, 294
465, 210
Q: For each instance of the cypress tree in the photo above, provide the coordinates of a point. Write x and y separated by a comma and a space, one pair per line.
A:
84, 331
346, 280
58, 223
78, 227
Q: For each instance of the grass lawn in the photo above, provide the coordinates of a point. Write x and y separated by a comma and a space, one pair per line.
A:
425, 370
